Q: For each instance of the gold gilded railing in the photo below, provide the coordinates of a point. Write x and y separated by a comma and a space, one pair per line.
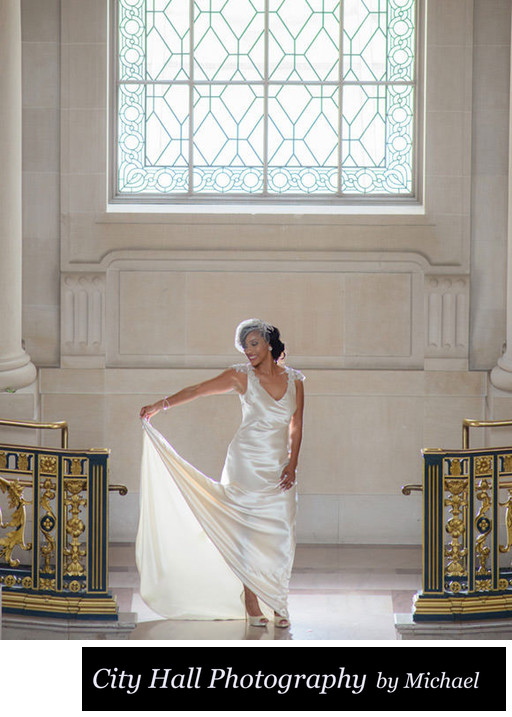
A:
61, 426
54, 528
467, 531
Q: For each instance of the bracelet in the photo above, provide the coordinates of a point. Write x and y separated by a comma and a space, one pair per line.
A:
165, 404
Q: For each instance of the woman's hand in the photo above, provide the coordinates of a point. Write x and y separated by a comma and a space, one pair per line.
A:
287, 477
148, 412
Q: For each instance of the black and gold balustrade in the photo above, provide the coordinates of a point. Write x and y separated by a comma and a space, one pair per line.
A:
467, 532
54, 529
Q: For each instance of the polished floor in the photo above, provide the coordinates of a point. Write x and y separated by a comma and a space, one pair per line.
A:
337, 592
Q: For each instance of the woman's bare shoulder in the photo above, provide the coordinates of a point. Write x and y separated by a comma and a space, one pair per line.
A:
240, 373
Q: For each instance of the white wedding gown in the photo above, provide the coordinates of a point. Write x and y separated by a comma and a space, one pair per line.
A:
199, 540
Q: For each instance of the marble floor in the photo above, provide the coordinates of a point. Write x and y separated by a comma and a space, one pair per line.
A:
337, 592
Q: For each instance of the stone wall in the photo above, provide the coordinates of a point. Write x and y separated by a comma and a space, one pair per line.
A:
395, 314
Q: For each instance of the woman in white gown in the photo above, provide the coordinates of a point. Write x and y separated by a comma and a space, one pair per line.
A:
196, 532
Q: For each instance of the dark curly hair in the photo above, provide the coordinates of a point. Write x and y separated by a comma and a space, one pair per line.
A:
276, 344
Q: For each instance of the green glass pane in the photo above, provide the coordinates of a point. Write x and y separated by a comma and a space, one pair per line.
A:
167, 39
132, 39
304, 40
401, 40
378, 40
229, 40
152, 140
303, 135
364, 126
364, 40
377, 144
228, 138
167, 126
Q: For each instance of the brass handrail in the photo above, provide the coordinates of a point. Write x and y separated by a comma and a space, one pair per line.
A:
59, 425
468, 423
121, 489
407, 489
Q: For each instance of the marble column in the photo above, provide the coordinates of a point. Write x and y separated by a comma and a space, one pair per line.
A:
16, 369
501, 375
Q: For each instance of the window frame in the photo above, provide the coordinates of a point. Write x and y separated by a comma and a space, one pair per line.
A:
258, 202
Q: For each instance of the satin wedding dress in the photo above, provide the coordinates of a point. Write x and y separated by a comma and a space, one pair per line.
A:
199, 540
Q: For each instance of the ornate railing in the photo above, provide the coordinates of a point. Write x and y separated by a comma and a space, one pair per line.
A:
467, 532
54, 529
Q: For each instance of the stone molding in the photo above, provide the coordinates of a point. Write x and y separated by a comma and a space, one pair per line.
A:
431, 319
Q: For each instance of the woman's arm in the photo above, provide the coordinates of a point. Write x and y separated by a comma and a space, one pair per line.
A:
295, 433
224, 382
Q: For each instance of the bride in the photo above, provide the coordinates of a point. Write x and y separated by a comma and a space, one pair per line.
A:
194, 531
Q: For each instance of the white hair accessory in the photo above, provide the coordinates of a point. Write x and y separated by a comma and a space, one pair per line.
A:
245, 327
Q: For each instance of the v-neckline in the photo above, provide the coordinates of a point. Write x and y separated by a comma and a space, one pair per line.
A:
277, 400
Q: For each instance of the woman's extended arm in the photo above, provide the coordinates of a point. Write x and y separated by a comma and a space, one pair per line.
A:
295, 433
226, 381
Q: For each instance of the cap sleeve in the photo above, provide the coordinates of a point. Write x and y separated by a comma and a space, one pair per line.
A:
295, 374
241, 367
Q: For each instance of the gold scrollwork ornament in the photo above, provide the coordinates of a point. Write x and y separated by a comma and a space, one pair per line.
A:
74, 551
47, 584
507, 464
483, 465
483, 585
17, 521
22, 462
48, 464
76, 466
508, 523
455, 467
455, 553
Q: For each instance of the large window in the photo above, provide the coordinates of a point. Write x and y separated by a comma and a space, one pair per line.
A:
276, 99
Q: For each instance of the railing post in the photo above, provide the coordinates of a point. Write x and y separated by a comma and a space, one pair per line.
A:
433, 525
462, 578
63, 572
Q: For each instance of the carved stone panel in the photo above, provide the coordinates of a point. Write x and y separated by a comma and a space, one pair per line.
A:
83, 316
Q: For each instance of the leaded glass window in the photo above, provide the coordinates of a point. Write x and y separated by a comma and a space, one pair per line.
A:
265, 98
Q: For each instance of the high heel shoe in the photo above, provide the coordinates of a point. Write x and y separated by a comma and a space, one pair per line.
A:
280, 621
256, 620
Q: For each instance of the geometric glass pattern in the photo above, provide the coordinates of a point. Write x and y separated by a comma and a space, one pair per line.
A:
265, 98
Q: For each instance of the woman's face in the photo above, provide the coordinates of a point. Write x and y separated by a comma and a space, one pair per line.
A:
255, 347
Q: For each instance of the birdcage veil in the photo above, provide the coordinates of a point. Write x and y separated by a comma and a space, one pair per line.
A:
245, 327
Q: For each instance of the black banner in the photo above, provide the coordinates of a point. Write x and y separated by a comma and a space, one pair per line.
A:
300, 678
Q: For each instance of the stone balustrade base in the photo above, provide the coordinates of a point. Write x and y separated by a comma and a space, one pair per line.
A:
17, 627
407, 629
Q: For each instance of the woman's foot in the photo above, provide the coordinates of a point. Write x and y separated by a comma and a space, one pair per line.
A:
253, 613
257, 620
280, 621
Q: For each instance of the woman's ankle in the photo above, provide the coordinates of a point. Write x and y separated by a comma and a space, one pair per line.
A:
251, 603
